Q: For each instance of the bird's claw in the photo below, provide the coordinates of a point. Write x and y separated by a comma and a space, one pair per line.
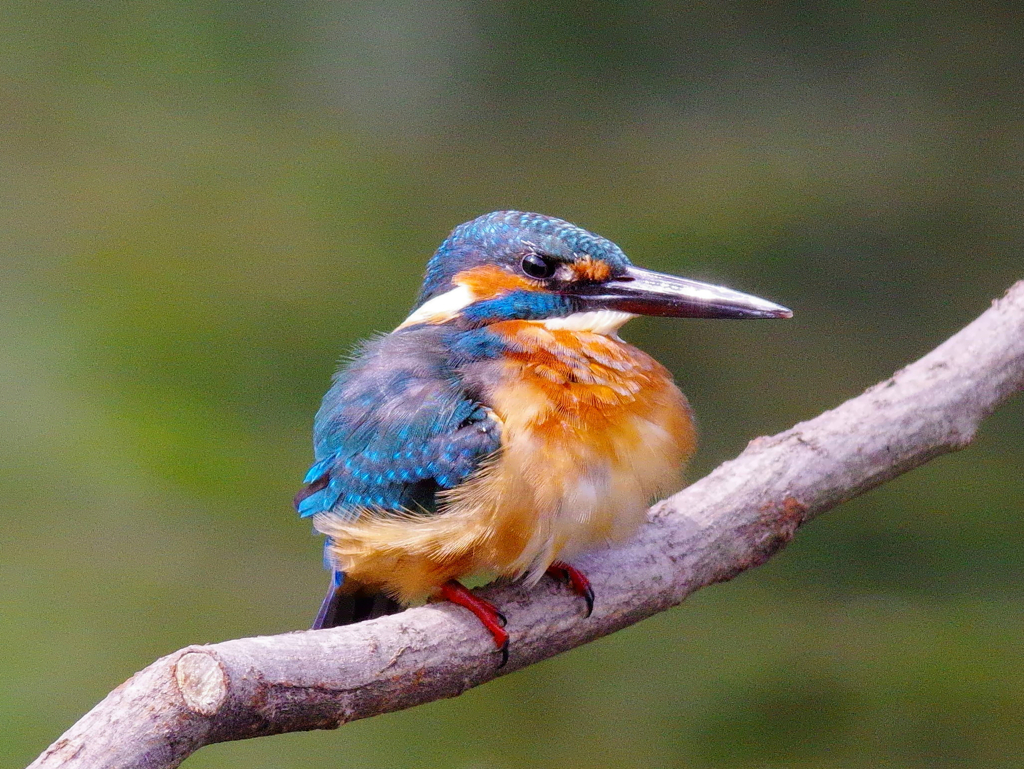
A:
485, 611
588, 596
576, 579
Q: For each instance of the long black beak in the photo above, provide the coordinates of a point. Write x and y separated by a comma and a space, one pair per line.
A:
645, 292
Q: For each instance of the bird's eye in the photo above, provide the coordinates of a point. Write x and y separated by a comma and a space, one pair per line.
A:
538, 267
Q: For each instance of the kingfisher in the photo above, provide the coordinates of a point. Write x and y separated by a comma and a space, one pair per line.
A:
503, 428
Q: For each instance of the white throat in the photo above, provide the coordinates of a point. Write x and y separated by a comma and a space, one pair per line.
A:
605, 322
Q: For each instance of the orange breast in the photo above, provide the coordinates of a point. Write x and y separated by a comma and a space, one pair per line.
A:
593, 430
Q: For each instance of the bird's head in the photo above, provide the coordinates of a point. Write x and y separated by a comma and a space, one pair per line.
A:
510, 265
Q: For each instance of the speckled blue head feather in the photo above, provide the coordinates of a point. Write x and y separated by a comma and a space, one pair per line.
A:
504, 236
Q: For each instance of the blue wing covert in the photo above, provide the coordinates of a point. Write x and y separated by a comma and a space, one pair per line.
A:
396, 427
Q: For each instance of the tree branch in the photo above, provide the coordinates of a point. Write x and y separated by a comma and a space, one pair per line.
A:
731, 520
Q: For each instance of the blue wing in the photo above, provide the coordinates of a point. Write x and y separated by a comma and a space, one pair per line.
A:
396, 427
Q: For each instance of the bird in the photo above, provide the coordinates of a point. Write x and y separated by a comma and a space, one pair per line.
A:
504, 427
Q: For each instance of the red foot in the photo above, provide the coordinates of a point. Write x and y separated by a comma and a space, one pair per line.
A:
563, 572
485, 611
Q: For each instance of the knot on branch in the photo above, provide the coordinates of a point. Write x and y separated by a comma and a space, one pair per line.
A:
202, 682
774, 528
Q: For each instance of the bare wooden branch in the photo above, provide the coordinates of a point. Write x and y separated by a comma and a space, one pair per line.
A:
733, 519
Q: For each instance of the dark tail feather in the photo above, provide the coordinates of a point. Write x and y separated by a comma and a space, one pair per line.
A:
344, 607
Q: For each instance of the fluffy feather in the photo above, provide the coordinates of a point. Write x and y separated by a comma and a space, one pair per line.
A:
592, 429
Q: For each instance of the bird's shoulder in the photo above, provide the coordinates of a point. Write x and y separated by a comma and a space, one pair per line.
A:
397, 425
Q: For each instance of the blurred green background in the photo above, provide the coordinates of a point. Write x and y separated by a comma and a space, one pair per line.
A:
206, 204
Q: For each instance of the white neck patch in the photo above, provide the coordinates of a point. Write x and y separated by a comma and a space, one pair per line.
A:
441, 308
605, 322
449, 304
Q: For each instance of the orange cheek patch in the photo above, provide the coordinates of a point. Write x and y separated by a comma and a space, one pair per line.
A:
488, 281
591, 269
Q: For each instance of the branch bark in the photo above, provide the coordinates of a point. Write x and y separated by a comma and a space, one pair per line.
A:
731, 520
